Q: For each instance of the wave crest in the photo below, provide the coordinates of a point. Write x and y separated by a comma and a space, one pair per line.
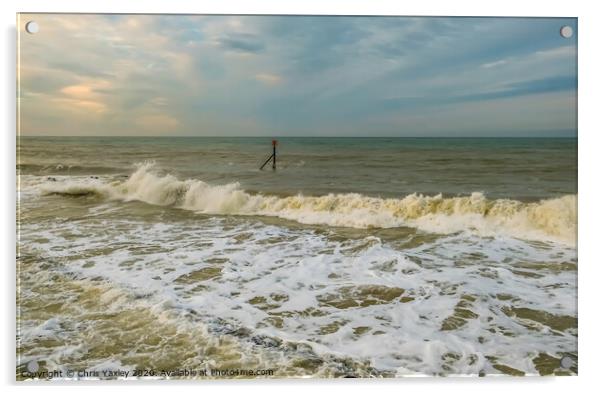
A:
548, 220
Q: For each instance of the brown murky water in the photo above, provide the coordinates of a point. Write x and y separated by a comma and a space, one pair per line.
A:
138, 268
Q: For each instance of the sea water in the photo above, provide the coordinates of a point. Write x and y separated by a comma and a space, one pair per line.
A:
356, 257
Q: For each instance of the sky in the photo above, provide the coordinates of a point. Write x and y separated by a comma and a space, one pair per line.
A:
191, 75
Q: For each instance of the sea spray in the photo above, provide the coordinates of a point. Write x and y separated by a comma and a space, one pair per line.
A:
548, 220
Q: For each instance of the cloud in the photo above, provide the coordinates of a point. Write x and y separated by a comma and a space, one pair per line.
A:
558, 52
241, 42
77, 90
524, 88
494, 64
268, 79
159, 123
81, 106
88, 89
321, 75
514, 89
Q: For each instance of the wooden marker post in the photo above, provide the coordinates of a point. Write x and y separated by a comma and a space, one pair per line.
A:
274, 143
273, 157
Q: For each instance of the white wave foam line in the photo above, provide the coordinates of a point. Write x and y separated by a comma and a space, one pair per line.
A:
547, 220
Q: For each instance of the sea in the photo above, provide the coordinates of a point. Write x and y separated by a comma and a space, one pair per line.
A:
355, 257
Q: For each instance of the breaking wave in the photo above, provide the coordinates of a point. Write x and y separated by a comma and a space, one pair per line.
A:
547, 220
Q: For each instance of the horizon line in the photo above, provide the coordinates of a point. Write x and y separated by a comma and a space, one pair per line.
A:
281, 136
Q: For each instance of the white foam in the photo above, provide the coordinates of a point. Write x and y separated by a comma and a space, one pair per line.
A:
548, 220
305, 267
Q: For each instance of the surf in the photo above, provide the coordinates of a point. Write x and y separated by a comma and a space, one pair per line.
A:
553, 219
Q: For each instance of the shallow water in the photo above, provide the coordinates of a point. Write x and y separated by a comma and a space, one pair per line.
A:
357, 257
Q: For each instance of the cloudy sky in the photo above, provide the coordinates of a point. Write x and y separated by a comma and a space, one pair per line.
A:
296, 76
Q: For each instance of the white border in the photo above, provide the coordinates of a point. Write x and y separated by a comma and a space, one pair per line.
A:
590, 355
347, 7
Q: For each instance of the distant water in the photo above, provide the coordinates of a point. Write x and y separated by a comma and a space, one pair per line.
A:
357, 256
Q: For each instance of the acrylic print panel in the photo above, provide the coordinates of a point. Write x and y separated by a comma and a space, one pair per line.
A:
414, 215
